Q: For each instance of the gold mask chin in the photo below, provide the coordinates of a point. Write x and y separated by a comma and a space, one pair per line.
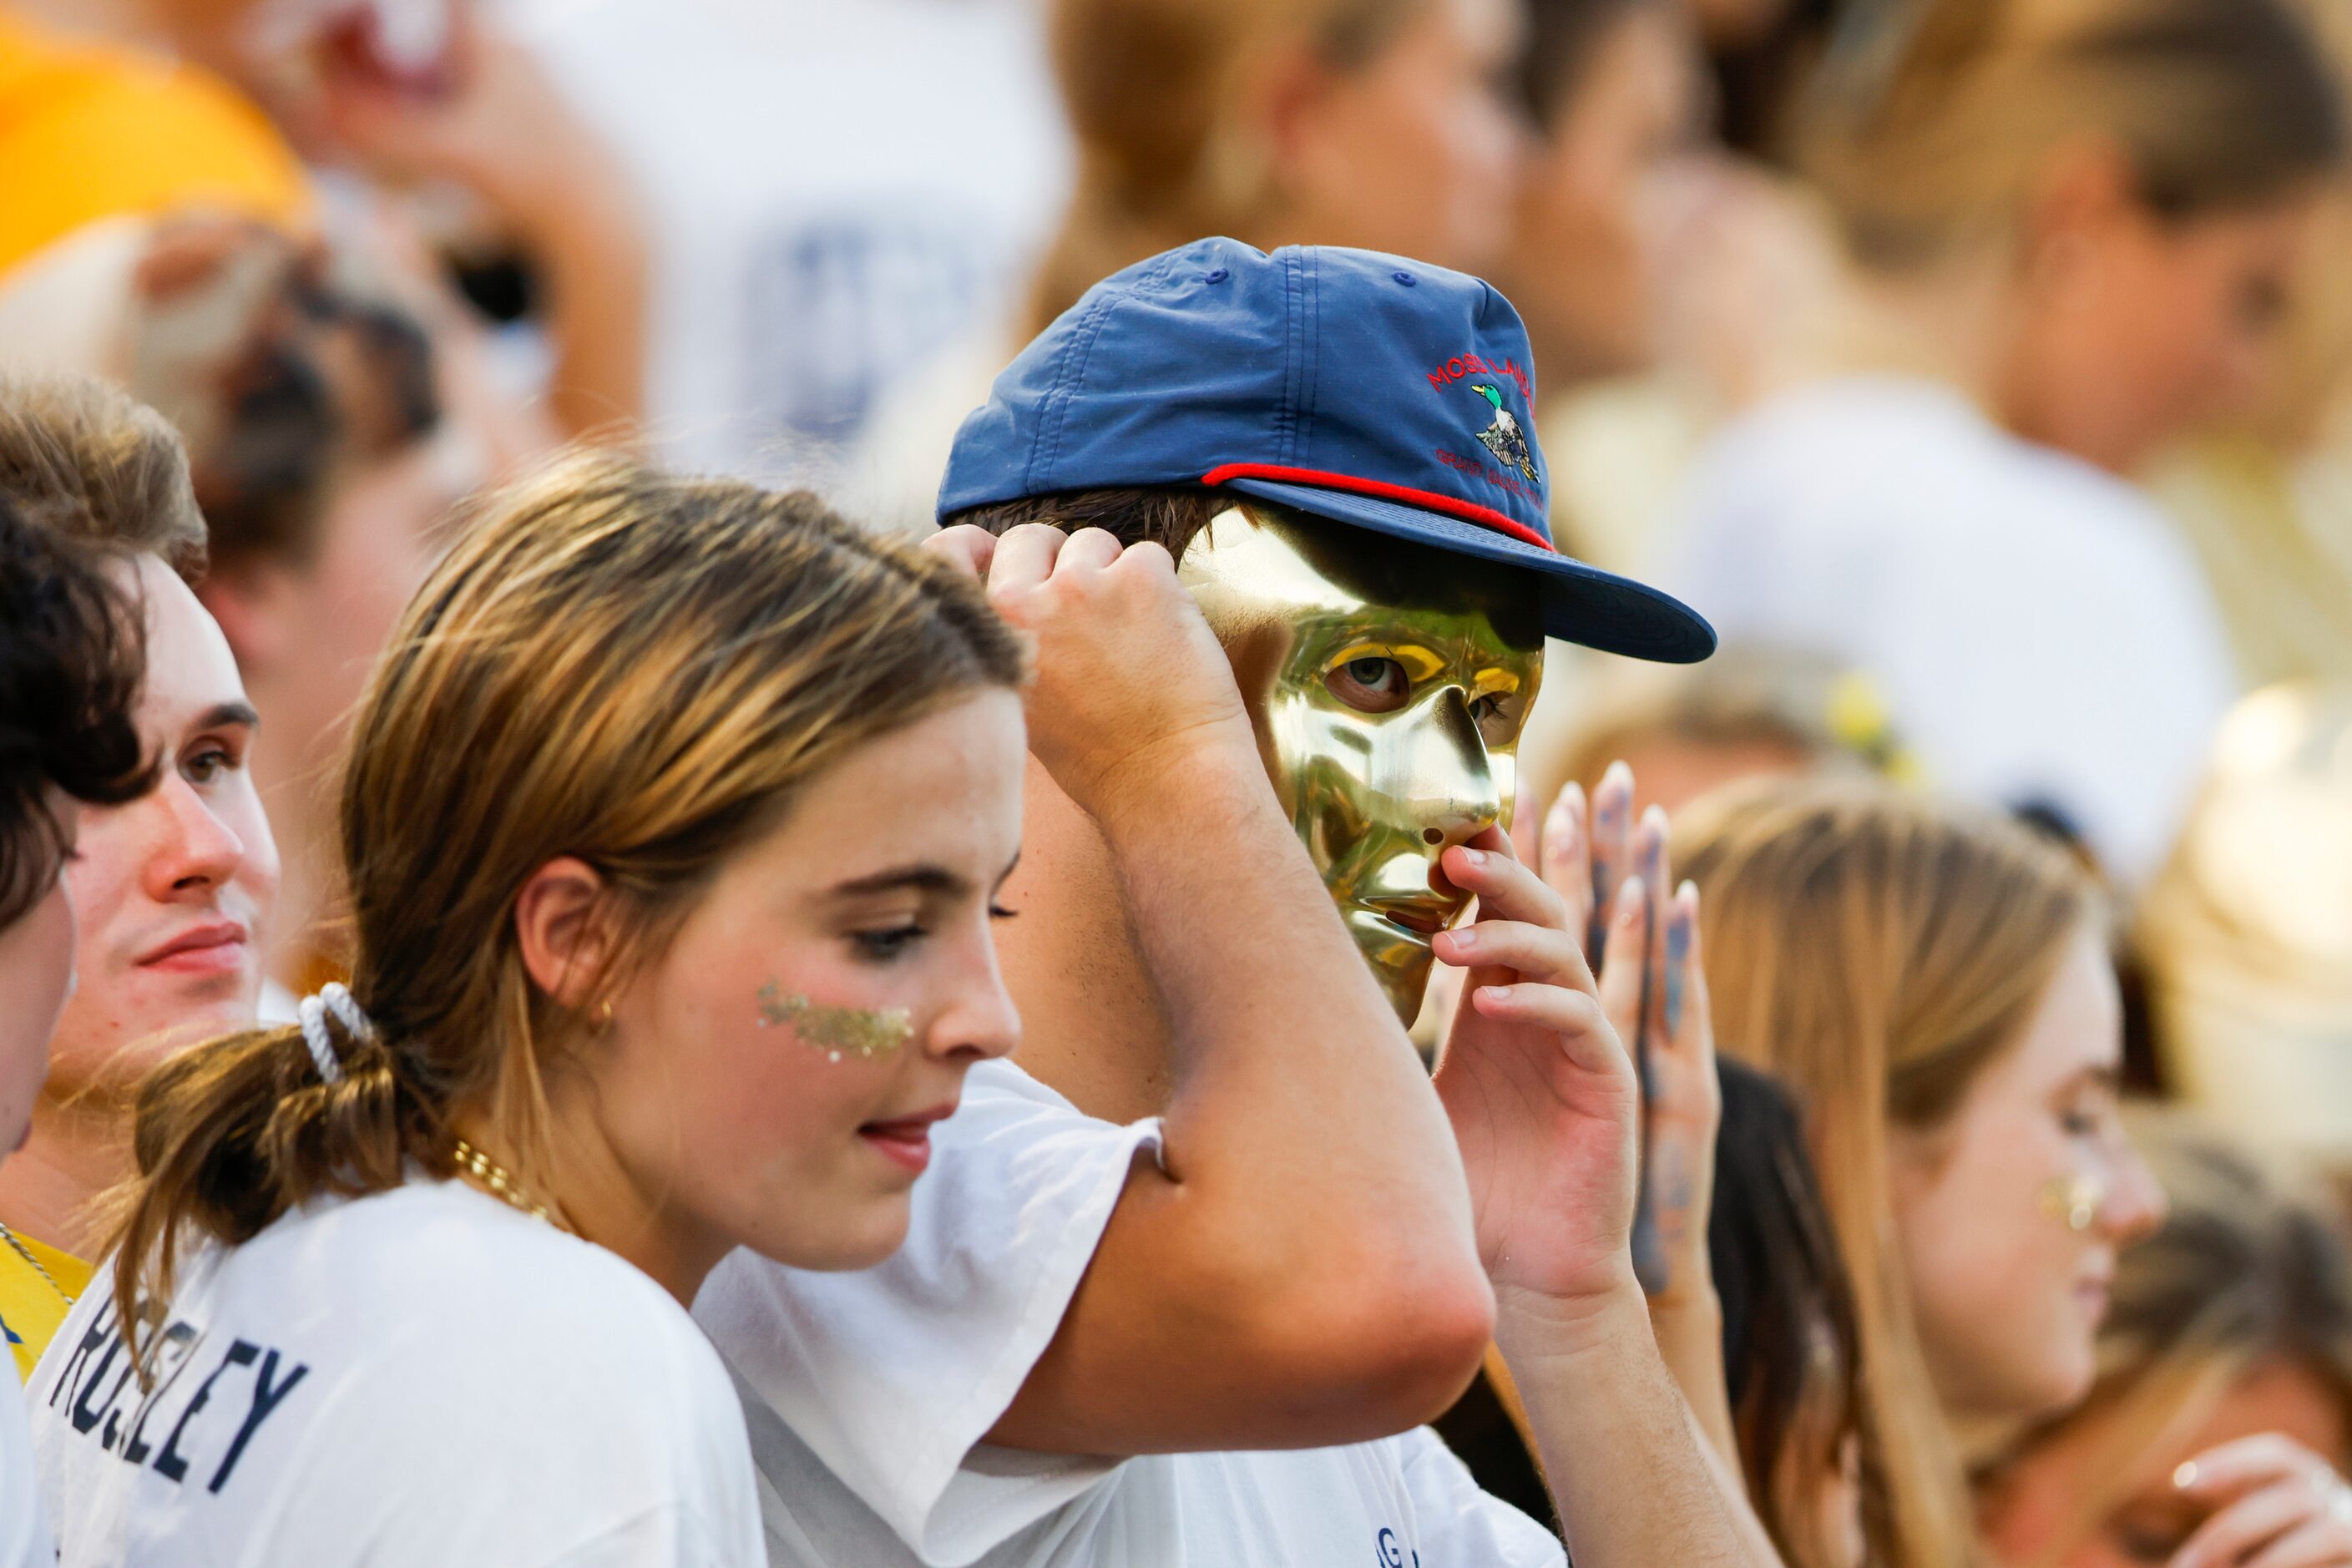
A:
1388, 682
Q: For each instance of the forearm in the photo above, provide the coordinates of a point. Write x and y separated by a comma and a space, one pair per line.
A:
1299, 1270
1689, 1330
591, 250
1628, 1471
1290, 1073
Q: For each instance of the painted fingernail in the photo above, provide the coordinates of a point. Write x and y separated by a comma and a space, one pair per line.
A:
2185, 1475
1677, 961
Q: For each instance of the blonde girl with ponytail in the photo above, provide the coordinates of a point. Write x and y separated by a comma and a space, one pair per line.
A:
671, 820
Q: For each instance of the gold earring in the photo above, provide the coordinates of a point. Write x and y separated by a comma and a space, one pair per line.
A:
605, 1016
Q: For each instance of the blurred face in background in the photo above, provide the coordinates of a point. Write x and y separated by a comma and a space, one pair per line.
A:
2134, 329
2010, 1214
1585, 259
172, 891
2033, 1509
1411, 150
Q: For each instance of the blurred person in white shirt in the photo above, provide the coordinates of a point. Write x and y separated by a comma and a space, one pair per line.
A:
2071, 229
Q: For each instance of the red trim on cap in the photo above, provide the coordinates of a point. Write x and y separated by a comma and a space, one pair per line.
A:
1428, 500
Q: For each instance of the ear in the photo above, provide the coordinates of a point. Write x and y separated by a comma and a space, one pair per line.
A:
1278, 104
2084, 193
252, 600
561, 931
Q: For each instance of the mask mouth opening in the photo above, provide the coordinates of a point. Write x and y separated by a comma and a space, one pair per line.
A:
1423, 919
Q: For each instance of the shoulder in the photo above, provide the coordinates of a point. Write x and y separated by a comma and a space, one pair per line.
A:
438, 1276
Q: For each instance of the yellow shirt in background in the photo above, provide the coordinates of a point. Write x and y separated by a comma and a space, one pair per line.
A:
31, 1308
88, 131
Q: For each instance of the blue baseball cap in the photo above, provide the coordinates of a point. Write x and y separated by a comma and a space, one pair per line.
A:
1365, 388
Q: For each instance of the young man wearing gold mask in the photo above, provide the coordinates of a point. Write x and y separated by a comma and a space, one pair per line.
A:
1179, 1280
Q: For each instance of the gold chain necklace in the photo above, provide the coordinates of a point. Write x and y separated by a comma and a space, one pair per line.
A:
500, 1181
26, 1253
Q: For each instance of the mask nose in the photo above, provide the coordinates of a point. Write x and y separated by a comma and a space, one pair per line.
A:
1447, 785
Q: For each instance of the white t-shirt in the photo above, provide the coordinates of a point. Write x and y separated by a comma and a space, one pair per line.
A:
836, 190
24, 1541
867, 1394
422, 1375
2036, 626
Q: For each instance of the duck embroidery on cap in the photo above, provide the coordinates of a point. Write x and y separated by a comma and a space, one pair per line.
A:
1503, 436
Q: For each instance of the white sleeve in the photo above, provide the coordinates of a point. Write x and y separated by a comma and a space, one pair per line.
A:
890, 1377
24, 1540
1459, 1526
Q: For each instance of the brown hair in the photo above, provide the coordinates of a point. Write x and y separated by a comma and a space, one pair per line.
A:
1928, 120
613, 663
2250, 1266
82, 459
1563, 38
1878, 951
1169, 515
73, 656
1149, 86
1791, 1354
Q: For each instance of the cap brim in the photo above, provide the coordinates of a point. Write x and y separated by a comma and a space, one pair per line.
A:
1580, 603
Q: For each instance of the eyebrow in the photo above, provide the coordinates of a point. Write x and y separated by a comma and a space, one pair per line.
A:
223, 715
922, 878
2106, 1075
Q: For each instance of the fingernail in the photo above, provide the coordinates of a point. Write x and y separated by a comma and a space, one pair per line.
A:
2185, 1475
1629, 899
1689, 889
1495, 993
1476, 857
1465, 939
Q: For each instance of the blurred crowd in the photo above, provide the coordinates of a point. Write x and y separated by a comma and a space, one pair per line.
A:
1980, 369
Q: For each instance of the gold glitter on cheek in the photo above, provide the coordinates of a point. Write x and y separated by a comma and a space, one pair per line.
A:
865, 1034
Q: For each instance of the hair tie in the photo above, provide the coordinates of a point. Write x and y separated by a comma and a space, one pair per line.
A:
333, 997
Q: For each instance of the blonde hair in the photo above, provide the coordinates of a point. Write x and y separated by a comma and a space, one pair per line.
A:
613, 663
1877, 951
1150, 86
1929, 121
80, 457
2250, 1266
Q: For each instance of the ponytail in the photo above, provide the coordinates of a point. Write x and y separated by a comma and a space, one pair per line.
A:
229, 1136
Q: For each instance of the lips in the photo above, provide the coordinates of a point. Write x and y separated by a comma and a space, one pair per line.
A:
906, 1140
209, 947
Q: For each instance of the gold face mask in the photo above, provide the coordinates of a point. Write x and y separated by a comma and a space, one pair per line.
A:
1388, 682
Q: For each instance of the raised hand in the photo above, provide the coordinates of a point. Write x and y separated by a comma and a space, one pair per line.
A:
2277, 1505
1128, 677
1588, 853
1538, 1083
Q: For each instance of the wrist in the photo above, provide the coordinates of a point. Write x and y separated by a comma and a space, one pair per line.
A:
1537, 1326
1688, 1302
1205, 774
